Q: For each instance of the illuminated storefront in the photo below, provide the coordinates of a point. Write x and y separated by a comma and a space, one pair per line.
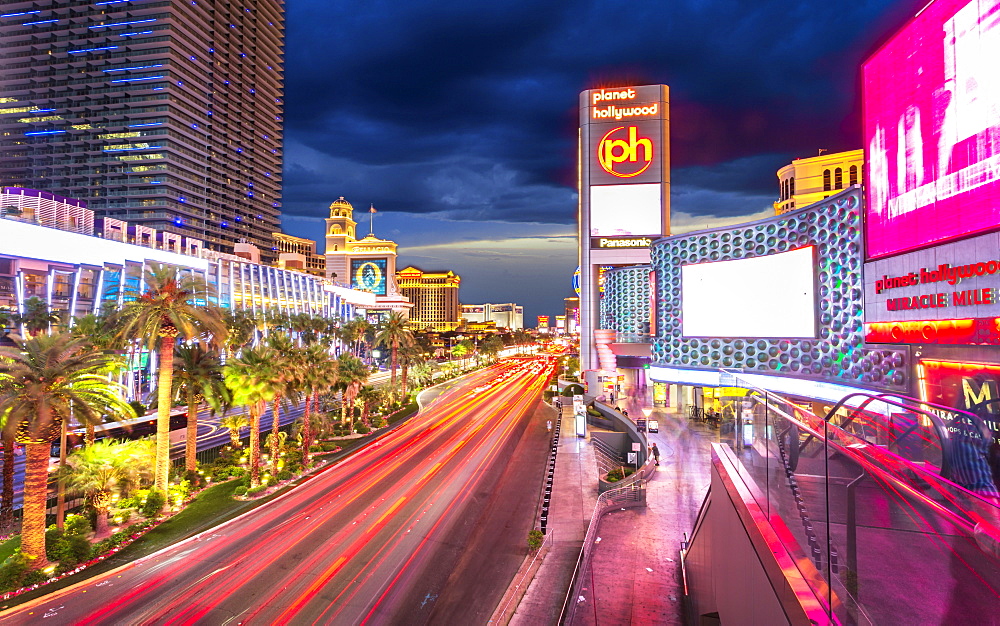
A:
778, 300
932, 130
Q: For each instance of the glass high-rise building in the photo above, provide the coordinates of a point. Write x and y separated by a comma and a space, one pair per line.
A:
164, 113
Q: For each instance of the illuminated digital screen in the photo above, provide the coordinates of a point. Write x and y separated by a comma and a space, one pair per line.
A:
766, 296
932, 128
369, 275
625, 210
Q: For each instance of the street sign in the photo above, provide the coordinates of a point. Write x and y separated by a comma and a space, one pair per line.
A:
633, 458
636, 446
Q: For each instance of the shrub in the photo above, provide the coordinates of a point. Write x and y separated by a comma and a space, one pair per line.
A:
34, 577
77, 525
120, 516
316, 448
330, 446
226, 472
363, 430
617, 474
12, 571
240, 491
284, 475
178, 493
535, 538
252, 491
194, 479
79, 548
139, 408
153, 505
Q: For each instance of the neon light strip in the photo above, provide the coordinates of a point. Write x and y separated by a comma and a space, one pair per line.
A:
135, 80
134, 67
45, 132
141, 32
40, 22
142, 125
22, 13
93, 49
121, 24
127, 149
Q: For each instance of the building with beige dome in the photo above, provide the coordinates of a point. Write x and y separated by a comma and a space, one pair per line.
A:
806, 181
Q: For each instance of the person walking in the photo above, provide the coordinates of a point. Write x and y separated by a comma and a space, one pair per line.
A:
656, 453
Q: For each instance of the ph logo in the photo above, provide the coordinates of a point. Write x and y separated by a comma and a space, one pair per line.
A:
623, 153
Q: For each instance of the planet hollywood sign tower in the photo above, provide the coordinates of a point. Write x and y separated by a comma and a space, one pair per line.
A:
624, 185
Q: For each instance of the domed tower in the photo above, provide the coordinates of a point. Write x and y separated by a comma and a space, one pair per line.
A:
339, 231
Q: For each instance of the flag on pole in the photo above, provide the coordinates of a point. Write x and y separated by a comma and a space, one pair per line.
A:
372, 209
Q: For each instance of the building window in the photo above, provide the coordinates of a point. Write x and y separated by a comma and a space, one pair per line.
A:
826, 180
791, 187
854, 174
838, 178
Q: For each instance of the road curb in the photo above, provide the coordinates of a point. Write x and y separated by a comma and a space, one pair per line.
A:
515, 592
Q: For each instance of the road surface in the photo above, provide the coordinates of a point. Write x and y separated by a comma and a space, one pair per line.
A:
348, 546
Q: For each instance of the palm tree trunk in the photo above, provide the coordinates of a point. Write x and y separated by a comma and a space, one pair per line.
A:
306, 431
7, 505
101, 529
255, 411
191, 436
392, 376
403, 383
343, 407
275, 445
36, 492
61, 502
164, 382
90, 436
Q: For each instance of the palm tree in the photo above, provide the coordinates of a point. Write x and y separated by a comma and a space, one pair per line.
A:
461, 350
286, 383
408, 356
97, 330
394, 334
319, 372
108, 467
234, 423
37, 317
249, 379
242, 329
197, 379
169, 308
352, 375
491, 347
353, 333
43, 381
369, 396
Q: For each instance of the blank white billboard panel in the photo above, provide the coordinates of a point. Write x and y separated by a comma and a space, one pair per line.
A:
624, 210
766, 296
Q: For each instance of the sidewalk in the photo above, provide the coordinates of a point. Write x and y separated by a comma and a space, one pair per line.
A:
574, 495
635, 576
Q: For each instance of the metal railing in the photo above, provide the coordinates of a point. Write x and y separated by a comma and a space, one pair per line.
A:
632, 495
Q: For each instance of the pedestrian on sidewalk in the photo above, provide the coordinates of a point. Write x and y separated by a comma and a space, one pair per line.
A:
656, 453
548, 425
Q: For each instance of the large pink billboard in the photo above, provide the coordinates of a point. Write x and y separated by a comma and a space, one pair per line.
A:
932, 128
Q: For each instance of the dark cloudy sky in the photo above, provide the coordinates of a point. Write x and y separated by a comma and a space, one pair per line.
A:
457, 120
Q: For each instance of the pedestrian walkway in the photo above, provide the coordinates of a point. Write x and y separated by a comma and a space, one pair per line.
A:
574, 495
635, 573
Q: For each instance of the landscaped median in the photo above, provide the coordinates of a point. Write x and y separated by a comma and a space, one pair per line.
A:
208, 508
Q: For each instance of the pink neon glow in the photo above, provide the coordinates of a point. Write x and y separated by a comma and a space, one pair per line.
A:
932, 128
